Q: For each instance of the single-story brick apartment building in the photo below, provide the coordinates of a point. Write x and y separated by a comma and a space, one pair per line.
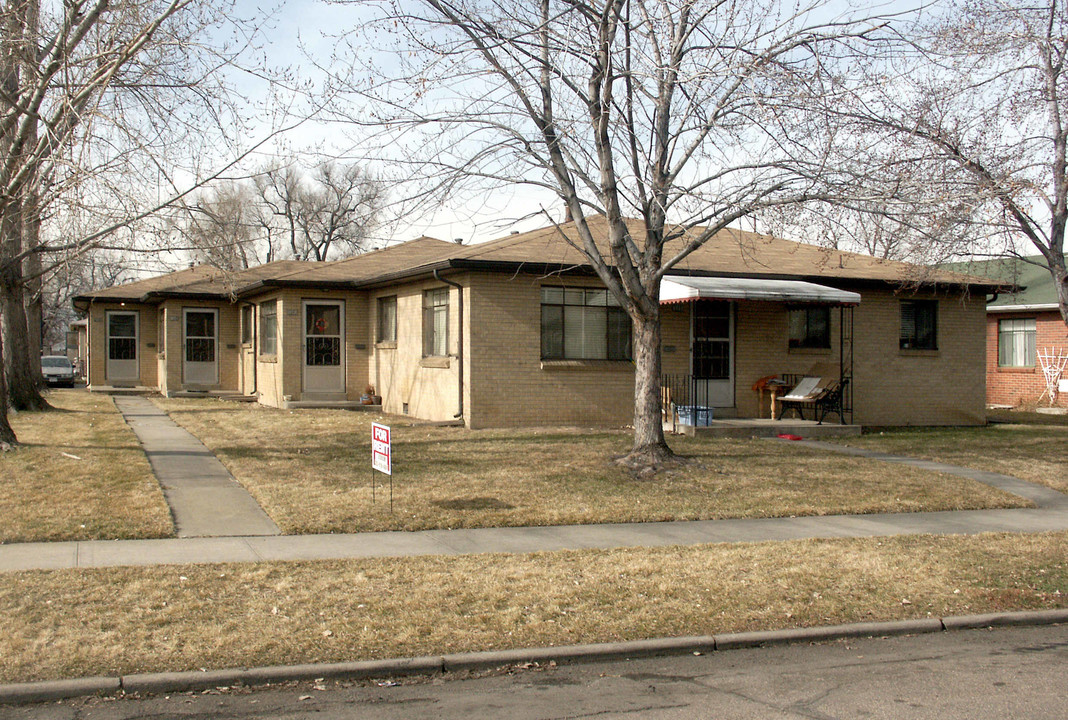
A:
1021, 324
520, 331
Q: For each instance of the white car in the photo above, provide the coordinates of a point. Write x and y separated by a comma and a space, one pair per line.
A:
57, 370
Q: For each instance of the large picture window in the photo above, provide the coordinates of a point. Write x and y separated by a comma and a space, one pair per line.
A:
387, 319
436, 323
810, 327
1016, 342
919, 324
269, 327
583, 324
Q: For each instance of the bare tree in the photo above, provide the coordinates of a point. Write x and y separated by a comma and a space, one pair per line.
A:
673, 112
330, 212
78, 275
93, 94
967, 120
221, 227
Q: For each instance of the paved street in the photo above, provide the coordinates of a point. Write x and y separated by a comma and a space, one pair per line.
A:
976, 674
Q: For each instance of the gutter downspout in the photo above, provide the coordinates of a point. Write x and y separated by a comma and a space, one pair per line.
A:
459, 341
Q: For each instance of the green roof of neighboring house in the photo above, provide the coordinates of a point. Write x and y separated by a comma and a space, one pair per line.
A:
1034, 281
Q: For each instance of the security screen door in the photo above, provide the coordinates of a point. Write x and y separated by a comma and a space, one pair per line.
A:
712, 359
122, 364
324, 343
201, 364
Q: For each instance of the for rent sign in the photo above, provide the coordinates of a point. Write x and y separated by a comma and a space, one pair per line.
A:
381, 449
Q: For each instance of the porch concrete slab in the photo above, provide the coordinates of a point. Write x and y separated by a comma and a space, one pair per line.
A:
744, 428
204, 498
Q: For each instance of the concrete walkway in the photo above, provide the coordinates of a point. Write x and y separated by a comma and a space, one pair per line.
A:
229, 543
204, 498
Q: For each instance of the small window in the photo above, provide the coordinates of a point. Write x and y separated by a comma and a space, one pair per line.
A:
387, 319
1016, 342
810, 327
269, 327
919, 324
246, 324
583, 324
436, 323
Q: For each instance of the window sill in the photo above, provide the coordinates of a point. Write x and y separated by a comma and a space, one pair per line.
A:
809, 351
267, 358
435, 362
618, 365
386, 345
918, 352
1019, 369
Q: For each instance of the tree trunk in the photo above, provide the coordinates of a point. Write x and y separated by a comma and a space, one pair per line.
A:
650, 449
1060, 284
22, 368
7, 435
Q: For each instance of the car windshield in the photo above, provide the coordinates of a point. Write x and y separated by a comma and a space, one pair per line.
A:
55, 362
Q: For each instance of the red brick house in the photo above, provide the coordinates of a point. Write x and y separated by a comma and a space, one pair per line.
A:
1021, 325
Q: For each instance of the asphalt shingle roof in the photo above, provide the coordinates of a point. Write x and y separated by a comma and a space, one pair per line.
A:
1033, 281
730, 253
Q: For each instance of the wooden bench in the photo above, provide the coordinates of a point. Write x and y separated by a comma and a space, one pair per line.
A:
821, 395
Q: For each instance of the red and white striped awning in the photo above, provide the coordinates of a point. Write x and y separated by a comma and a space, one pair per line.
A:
678, 288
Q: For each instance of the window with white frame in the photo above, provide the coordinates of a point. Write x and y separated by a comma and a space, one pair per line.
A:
1016, 342
436, 323
583, 324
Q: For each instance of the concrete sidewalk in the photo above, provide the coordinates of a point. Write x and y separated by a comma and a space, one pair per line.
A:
107, 553
204, 498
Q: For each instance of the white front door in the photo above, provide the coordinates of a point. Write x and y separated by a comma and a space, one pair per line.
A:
712, 353
122, 365
200, 364
324, 345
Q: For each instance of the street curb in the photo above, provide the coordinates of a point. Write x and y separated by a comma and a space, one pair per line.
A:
49, 690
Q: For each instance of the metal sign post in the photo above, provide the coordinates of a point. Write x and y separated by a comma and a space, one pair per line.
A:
381, 458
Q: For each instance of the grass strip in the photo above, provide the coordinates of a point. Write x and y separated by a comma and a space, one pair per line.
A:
310, 470
1035, 453
69, 623
79, 474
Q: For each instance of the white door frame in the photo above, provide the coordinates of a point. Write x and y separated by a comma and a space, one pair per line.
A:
200, 372
322, 378
713, 392
124, 369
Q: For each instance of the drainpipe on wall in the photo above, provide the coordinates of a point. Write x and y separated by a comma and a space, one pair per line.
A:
459, 341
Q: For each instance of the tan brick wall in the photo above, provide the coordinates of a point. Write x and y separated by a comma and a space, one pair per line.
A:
170, 347
1018, 385
511, 386
919, 387
282, 376
146, 342
400, 374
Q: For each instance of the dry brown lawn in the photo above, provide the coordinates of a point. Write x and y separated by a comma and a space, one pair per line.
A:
1037, 453
106, 491
69, 623
310, 470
